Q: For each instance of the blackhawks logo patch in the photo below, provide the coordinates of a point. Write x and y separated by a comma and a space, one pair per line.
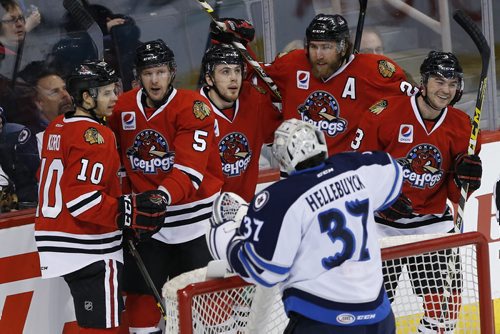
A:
92, 136
200, 110
386, 69
378, 107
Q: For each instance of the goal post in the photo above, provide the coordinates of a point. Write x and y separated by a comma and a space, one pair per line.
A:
230, 305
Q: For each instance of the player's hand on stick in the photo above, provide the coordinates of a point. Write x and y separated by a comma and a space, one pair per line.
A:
401, 208
227, 30
469, 169
142, 215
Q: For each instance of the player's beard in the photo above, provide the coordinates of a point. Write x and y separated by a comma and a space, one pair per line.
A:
324, 71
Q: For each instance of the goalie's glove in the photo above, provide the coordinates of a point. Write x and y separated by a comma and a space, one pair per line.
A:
142, 215
227, 30
227, 212
401, 208
469, 169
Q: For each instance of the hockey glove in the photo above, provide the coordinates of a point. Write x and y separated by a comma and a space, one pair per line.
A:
468, 168
401, 208
142, 215
233, 30
227, 212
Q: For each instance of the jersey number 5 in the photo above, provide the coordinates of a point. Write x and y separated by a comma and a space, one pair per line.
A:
333, 222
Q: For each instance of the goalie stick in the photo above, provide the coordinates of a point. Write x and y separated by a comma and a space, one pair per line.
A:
244, 52
484, 50
453, 262
82, 16
361, 24
147, 277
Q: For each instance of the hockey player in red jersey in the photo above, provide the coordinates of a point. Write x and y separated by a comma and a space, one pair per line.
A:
325, 84
245, 118
429, 138
166, 140
81, 213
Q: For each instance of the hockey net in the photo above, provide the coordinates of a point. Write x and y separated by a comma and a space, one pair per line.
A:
230, 305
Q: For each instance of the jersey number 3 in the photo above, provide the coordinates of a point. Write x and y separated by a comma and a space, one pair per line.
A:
333, 222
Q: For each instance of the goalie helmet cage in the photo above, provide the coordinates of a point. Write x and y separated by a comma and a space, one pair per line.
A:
230, 305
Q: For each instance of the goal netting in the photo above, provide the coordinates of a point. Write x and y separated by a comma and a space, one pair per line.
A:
448, 274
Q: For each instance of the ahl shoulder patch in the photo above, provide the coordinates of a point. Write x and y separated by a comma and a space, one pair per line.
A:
386, 68
200, 110
378, 107
92, 136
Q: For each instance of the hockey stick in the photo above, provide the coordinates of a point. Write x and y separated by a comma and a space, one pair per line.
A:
215, 14
241, 49
19, 56
87, 22
453, 261
361, 24
147, 277
484, 50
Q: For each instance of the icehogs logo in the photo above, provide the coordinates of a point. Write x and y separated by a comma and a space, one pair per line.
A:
422, 166
321, 109
150, 152
235, 154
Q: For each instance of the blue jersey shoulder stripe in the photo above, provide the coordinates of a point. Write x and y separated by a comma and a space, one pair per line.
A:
251, 272
264, 264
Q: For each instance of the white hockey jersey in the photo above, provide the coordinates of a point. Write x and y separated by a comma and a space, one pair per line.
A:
315, 233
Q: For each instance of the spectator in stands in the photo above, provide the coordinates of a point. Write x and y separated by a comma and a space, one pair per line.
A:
52, 98
13, 30
19, 161
429, 138
371, 41
315, 234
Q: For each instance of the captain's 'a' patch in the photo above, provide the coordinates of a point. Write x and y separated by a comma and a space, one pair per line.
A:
378, 107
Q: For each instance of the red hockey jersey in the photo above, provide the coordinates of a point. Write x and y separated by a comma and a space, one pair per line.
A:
79, 185
335, 105
427, 154
171, 147
240, 139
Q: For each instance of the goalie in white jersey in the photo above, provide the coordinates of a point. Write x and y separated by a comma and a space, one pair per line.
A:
315, 233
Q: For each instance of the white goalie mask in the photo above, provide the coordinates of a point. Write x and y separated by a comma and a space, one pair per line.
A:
296, 141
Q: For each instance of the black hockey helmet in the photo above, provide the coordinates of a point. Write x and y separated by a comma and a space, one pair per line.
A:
154, 53
325, 27
221, 54
446, 65
88, 76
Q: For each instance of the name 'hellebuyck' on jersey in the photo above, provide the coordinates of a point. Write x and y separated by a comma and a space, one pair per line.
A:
150, 152
333, 191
